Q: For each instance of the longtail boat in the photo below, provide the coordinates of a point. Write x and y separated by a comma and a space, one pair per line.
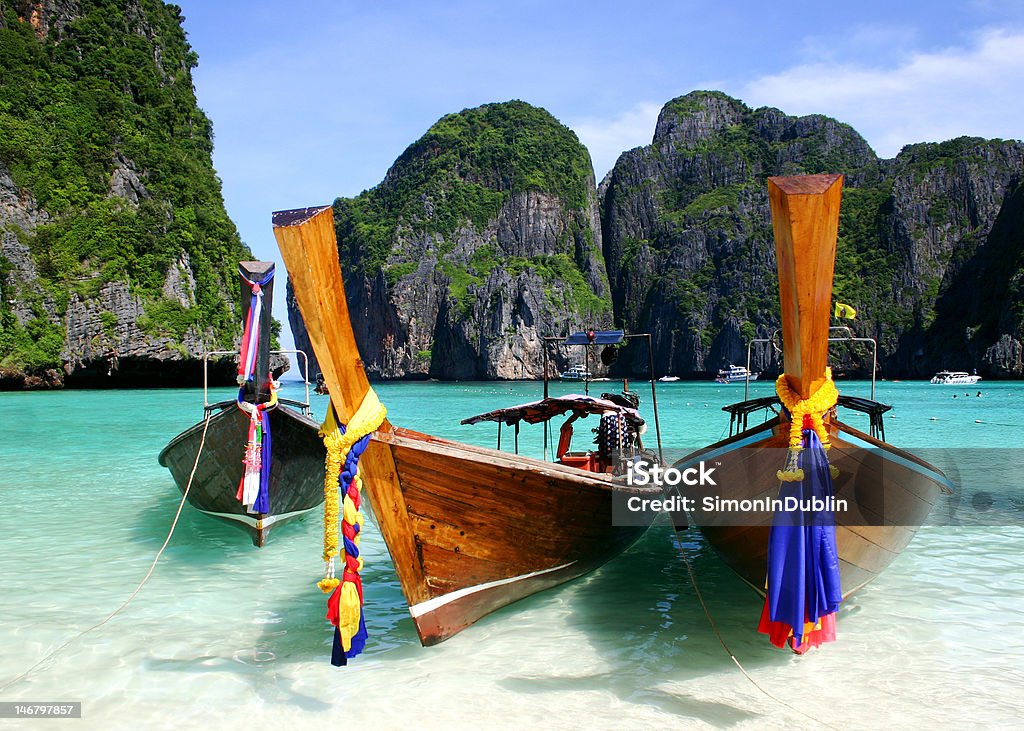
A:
255, 461
888, 492
469, 529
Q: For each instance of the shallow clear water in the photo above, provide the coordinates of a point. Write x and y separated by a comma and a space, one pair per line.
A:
224, 635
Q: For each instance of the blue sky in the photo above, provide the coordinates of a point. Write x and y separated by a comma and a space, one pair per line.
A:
315, 100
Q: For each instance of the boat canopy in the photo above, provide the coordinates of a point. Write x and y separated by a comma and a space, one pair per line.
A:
596, 337
548, 408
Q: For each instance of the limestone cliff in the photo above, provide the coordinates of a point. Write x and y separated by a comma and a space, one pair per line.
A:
483, 237
687, 239
117, 258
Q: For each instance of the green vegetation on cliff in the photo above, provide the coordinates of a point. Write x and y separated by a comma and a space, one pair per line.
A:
482, 237
461, 172
110, 97
688, 241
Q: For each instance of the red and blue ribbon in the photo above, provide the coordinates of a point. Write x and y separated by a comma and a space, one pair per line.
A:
804, 589
350, 572
251, 333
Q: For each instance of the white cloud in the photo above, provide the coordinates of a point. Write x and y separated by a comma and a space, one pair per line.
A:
608, 138
924, 97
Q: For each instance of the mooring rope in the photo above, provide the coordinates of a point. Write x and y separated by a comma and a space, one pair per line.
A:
721, 640
152, 567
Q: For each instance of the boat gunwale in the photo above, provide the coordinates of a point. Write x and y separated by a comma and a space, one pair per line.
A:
409, 438
288, 411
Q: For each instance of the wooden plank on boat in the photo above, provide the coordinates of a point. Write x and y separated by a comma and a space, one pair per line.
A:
308, 246
805, 219
258, 390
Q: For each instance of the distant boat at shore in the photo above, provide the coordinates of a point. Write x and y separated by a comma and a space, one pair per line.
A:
576, 373
954, 378
735, 374
668, 379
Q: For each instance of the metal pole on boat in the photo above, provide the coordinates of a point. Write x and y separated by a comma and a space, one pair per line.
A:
874, 368
544, 351
654, 392
851, 338
746, 381
586, 370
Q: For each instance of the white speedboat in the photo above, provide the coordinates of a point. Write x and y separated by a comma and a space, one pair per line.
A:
576, 373
735, 373
954, 378
669, 379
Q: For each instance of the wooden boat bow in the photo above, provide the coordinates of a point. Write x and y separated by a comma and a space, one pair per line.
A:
805, 219
308, 245
891, 491
469, 529
309, 249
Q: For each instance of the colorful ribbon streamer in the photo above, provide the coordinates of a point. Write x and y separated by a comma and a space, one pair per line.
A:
803, 588
251, 333
345, 445
254, 486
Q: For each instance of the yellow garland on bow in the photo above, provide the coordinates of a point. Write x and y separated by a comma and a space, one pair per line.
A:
367, 419
815, 407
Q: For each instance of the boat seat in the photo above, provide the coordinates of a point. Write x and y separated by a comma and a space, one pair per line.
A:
579, 460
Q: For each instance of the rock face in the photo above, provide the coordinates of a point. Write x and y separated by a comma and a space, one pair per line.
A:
687, 232
117, 259
470, 250
688, 241
46, 16
483, 238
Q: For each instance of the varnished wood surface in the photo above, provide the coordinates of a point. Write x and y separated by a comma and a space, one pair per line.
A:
296, 468
805, 219
479, 517
889, 501
310, 252
456, 518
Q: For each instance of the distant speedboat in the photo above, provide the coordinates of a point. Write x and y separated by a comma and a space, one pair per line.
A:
954, 378
669, 379
735, 374
576, 373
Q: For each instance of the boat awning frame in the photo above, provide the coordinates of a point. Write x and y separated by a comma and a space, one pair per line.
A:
596, 337
546, 409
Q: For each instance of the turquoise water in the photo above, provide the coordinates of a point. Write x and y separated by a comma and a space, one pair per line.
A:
224, 635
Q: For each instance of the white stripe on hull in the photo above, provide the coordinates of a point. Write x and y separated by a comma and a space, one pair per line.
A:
253, 521
418, 610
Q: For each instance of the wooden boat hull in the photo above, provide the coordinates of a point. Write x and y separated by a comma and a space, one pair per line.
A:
296, 471
469, 529
487, 528
890, 493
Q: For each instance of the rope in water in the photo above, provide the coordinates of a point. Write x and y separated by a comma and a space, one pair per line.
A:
721, 640
152, 567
